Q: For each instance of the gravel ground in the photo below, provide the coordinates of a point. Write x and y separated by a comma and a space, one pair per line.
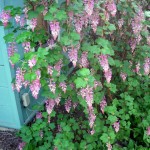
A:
8, 140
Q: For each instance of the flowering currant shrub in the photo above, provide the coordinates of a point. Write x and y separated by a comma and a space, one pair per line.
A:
90, 60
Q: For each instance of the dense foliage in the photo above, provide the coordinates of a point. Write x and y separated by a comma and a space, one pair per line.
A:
91, 61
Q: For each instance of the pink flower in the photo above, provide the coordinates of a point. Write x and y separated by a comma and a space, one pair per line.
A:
116, 126
84, 60
58, 67
17, 18
120, 23
57, 100
75, 104
50, 103
38, 115
19, 79
147, 66
52, 86
89, 5
148, 131
33, 23
111, 7
63, 86
109, 146
92, 132
51, 43
78, 24
87, 94
73, 55
35, 88
123, 76
55, 29
94, 21
108, 75
4, 17
103, 60
92, 117
32, 62
103, 104
12, 49
21, 145
50, 70
97, 83
26, 46
68, 105
22, 22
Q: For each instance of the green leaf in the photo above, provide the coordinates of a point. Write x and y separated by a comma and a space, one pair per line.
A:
40, 8
9, 37
15, 58
104, 138
80, 83
23, 36
147, 13
83, 72
42, 52
32, 14
112, 87
112, 119
111, 27
30, 76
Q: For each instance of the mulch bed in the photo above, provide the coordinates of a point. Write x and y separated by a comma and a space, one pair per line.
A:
8, 140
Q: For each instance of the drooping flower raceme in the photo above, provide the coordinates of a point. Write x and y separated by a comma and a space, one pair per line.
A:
108, 75
32, 62
73, 55
26, 46
83, 61
68, 104
148, 131
19, 79
52, 86
50, 103
55, 29
147, 66
123, 76
38, 115
94, 20
111, 7
116, 126
63, 86
103, 104
17, 18
89, 6
103, 60
35, 88
4, 17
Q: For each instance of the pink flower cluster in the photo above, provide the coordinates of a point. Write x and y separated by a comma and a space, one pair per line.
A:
83, 61
148, 131
87, 94
12, 49
38, 115
19, 79
109, 146
103, 60
51, 43
78, 24
89, 6
111, 7
94, 20
55, 29
123, 76
26, 46
73, 55
21, 145
116, 126
32, 62
68, 105
52, 86
17, 18
33, 23
4, 17
35, 86
103, 104
147, 66
50, 103
63, 86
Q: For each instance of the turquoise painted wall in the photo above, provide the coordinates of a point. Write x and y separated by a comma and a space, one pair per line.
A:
12, 112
